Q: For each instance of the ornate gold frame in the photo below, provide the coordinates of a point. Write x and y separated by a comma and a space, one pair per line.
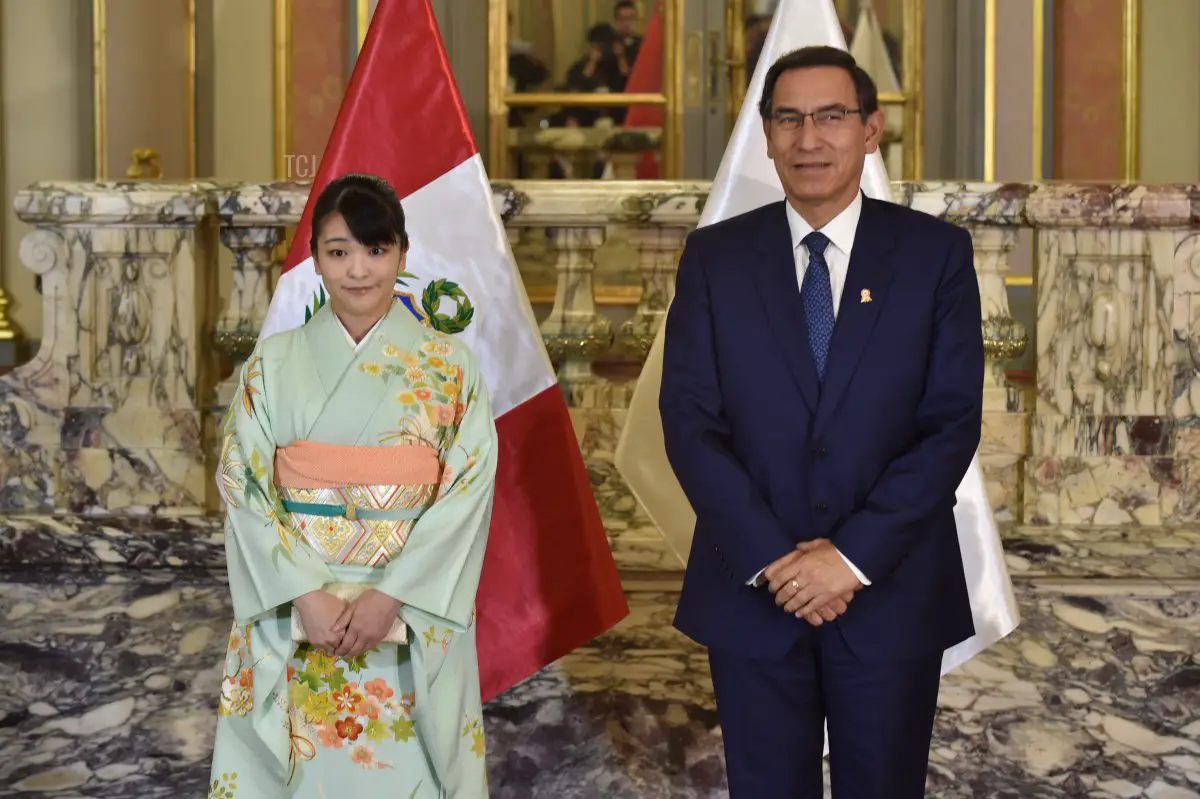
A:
500, 99
989, 91
1037, 166
100, 90
362, 19
1131, 76
281, 35
8, 330
912, 85
190, 89
100, 87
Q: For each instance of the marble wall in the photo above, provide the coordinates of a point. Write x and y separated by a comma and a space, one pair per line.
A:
107, 416
111, 560
112, 414
1115, 438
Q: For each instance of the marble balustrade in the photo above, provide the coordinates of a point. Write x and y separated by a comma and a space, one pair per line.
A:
111, 562
113, 413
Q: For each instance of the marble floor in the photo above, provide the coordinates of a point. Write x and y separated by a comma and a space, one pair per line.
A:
108, 684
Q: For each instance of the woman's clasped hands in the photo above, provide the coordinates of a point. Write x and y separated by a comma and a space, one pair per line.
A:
347, 629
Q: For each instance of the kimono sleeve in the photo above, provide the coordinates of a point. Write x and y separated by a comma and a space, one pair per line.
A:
268, 564
437, 571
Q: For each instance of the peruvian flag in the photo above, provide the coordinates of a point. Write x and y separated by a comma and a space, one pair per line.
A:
549, 583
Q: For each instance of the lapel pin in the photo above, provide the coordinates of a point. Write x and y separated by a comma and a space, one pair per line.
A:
865, 296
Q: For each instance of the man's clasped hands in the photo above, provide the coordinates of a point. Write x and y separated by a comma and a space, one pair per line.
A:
812, 582
347, 629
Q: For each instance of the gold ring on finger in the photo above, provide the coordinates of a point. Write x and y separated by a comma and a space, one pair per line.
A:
795, 585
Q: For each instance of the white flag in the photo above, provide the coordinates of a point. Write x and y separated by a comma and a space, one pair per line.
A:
746, 180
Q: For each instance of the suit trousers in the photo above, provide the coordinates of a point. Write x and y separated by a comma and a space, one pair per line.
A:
773, 712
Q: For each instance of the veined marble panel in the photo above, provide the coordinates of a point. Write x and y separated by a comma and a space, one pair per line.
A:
1113, 436
113, 202
1112, 490
107, 416
1115, 338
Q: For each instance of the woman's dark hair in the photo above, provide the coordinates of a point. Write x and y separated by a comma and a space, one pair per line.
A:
370, 207
821, 56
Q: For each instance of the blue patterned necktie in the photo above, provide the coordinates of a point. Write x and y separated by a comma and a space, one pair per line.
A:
817, 295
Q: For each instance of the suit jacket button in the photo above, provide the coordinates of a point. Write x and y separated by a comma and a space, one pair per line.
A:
819, 452
821, 507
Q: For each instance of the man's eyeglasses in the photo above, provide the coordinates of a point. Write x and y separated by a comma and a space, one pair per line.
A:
826, 118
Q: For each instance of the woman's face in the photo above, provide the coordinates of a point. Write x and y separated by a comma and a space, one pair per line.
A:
359, 279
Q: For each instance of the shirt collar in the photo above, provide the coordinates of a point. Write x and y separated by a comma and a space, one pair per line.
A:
840, 230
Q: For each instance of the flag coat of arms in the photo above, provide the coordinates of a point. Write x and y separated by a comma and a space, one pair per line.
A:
746, 179
549, 583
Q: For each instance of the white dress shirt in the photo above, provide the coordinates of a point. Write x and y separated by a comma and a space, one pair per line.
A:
840, 232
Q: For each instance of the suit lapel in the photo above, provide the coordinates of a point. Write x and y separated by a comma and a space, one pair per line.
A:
867, 280
780, 292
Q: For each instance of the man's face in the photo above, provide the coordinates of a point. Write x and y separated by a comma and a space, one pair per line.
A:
625, 20
821, 160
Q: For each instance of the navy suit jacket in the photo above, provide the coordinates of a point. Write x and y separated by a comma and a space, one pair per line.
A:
769, 456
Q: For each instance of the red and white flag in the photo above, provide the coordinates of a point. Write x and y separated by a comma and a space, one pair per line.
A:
549, 583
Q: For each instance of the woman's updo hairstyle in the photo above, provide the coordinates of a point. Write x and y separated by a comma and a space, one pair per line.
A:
370, 207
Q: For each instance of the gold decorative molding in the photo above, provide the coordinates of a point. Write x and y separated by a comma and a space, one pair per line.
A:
913, 86
1018, 280
145, 164
989, 91
8, 332
362, 19
100, 87
735, 31
1131, 76
672, 140
1038, 145
543, 294
583, 100
1004, 338
497, 89
190, 89
281, 35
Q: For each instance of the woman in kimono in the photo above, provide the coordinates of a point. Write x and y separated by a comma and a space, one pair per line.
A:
357, 469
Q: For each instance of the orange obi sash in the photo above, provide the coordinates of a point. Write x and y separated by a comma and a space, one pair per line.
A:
310, 464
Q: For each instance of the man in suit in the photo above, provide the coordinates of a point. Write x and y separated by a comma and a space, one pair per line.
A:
821, 400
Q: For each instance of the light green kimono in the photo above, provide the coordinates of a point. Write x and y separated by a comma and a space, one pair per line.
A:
400, 721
